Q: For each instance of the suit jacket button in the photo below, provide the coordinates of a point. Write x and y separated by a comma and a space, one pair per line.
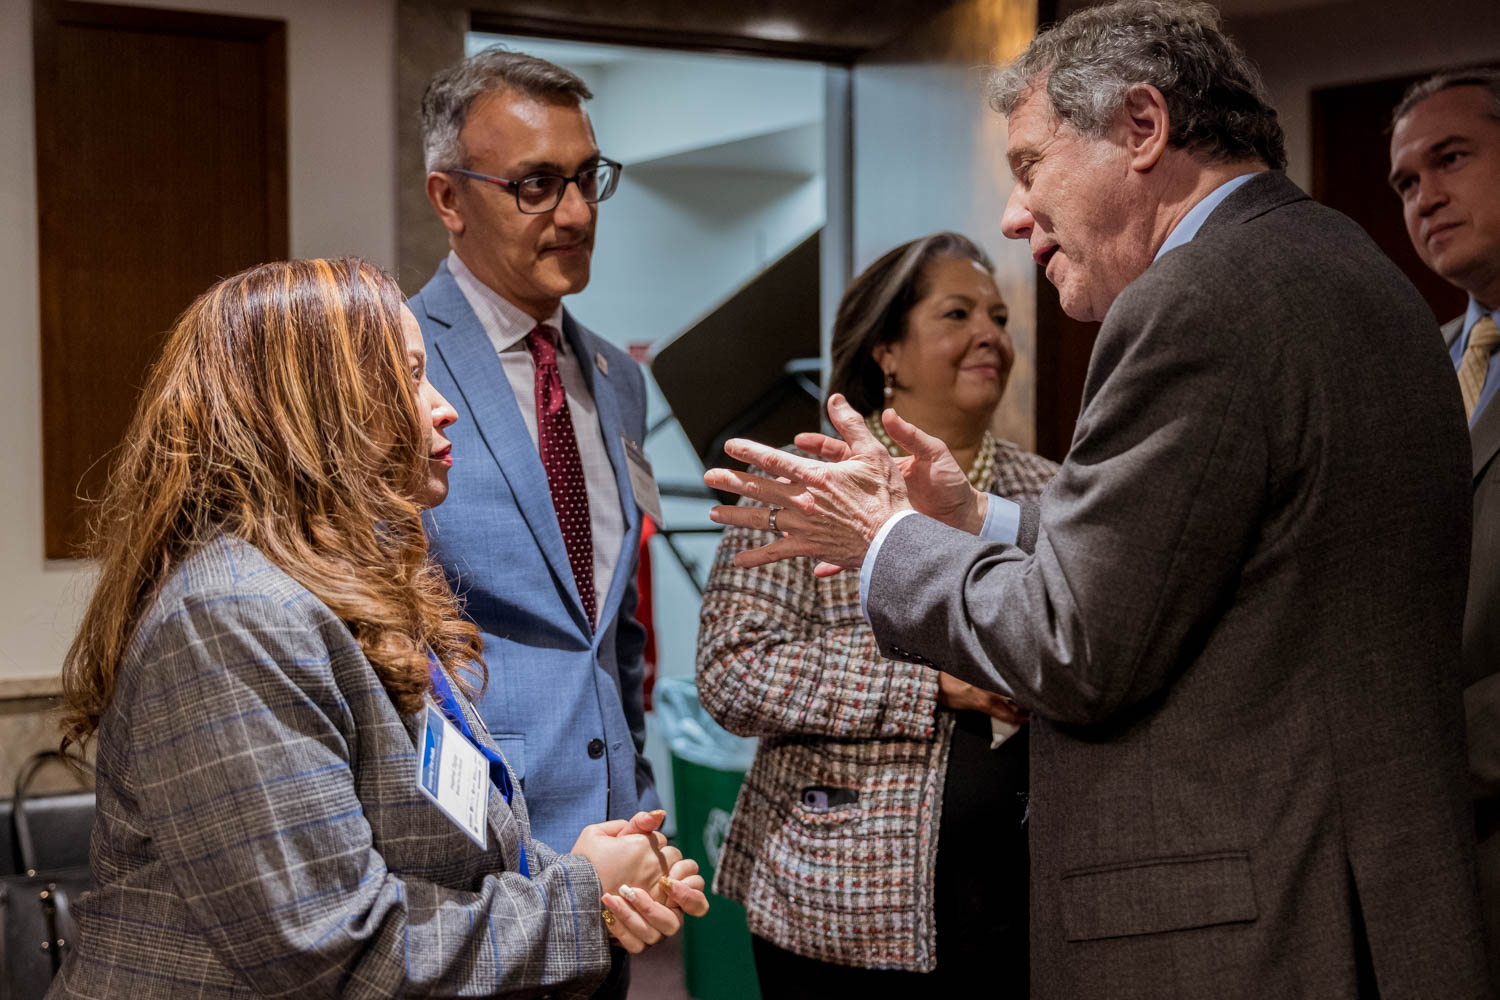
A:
596, 749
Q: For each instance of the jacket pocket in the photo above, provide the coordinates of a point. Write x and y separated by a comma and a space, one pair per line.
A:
1157, 895
513, 749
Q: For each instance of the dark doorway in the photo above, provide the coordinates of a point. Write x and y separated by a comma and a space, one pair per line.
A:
161, 166
1063, 348
1351, 158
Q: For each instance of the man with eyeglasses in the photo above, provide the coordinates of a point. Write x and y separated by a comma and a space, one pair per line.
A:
541, 531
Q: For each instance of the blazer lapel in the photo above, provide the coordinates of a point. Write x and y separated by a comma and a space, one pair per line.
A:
581, 341
1484, 438
1451, 331
1484, 435
480, 377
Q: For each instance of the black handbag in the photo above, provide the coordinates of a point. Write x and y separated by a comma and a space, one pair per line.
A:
36, 925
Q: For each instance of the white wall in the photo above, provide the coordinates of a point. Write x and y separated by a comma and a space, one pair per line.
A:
718, 183
929, 154
341, 60
651, 109
1300, 51
673, 244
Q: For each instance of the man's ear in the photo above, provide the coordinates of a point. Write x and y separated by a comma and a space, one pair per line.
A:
1147, 123
443, 194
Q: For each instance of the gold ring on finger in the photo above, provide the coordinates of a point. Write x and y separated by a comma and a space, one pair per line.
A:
609, 918
771, 520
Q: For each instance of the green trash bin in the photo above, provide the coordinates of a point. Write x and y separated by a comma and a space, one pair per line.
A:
708, 767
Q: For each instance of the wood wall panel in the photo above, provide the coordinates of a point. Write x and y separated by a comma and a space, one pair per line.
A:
161, 166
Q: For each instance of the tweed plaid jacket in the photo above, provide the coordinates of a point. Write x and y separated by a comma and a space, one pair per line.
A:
260, 831
789, 658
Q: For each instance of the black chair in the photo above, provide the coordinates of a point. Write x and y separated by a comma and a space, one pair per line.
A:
47, 846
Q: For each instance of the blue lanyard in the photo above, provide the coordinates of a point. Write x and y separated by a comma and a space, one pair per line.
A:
447, 702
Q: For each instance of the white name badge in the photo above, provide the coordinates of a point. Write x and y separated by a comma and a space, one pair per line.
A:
643, 481
453, 774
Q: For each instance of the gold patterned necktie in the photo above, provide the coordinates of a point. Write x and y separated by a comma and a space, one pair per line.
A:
1475, 364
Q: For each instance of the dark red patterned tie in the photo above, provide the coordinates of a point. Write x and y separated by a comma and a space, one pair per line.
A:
559, 448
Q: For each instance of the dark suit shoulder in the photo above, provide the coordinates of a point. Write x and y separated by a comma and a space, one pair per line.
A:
1295, 271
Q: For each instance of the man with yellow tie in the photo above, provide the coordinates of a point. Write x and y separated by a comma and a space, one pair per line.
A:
1445, 166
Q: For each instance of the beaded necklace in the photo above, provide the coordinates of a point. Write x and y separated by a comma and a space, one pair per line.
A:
980, 474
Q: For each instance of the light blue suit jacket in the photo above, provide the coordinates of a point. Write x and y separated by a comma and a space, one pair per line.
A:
555, 687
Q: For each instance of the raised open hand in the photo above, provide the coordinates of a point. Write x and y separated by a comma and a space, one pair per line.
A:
830, 510
935, 484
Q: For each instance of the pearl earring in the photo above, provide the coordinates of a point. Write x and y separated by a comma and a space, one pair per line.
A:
890, 384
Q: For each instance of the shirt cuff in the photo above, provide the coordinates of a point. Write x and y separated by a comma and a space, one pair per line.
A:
867, 568
1002, 522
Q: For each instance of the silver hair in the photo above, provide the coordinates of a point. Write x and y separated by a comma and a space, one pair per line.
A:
1487, 79
1216, 101
450, 95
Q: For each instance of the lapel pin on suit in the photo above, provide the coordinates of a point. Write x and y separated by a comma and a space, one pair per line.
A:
601, 363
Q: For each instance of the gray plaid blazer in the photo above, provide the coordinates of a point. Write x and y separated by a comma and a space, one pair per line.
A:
260, 832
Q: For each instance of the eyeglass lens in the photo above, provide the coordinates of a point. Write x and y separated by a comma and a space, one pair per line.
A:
543, 192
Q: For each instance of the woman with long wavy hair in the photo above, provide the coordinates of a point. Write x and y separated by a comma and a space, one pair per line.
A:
267, 646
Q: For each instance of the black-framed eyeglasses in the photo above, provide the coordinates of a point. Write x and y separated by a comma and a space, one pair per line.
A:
540, 193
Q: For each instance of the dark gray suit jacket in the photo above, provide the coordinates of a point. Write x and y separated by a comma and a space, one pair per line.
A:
1481, 654
1237, 622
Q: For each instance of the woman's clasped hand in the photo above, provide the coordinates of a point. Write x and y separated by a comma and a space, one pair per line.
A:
654, 883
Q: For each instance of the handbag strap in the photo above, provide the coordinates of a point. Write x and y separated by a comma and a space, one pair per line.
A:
24, 776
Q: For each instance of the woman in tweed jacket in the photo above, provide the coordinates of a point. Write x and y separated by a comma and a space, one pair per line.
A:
265, 634
877, 828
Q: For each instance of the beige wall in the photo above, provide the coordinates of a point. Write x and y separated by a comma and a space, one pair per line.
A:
1299, 51
341, 68
929, 154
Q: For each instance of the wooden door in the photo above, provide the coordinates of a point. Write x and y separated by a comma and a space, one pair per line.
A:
161, 166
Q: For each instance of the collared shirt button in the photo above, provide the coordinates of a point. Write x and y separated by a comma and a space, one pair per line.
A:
596, 748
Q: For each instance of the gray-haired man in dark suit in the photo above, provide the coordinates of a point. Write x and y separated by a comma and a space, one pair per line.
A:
1445, 166
1235, 612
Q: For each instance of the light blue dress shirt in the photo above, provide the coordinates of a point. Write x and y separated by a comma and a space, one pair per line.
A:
1492, 379
1003, 520
1185, 230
